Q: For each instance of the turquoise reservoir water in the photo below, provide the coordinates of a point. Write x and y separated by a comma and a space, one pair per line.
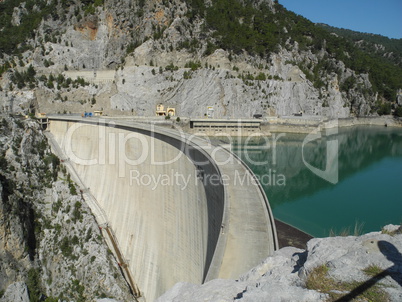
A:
368, 192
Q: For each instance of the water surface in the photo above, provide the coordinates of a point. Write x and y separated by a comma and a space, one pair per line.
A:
368, 192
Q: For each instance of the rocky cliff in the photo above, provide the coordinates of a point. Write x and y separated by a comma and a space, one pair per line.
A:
125, 57
50, 244
367, 267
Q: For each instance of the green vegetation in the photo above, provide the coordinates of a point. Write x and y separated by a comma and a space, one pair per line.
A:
187, 75
88, 235
210, 48
261, 77
392, 51
61, 81
190, 44
348, 83
71, 185
132, 46
35, 289
73, 190
3, 163
384, 109
48, 63
398, 111
158, 32
34, 285
357, 231
171, 67
232, 25
4, 67
19, 121
258, 30
237, 27
372, 270
21, 79
54, 161
57, 206
78, 289
66, 247
77, 212
13, 38
193, 65
319, 280
25, 208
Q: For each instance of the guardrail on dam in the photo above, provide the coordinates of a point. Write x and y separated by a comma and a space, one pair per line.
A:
181, 209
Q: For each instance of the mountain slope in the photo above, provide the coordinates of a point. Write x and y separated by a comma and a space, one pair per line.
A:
242, 57
388, 48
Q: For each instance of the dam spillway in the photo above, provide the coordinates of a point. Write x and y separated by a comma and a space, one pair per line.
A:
180, 208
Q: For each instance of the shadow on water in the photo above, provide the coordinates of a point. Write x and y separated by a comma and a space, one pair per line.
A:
393, 255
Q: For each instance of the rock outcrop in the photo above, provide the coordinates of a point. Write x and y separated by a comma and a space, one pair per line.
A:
50, 243
16, 292
354, 264
135, 55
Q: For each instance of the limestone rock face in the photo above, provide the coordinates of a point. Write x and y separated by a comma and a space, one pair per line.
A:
138, 88
16, 292
123, 50
399, 97
283, 276
18, 13
49, 240
17, 101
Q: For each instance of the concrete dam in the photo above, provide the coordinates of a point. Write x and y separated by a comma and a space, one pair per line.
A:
176, 207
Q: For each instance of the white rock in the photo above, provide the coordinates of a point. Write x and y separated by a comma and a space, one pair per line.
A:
282, 277
391, 228
16, 292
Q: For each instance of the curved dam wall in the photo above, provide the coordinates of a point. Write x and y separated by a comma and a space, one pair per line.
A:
181, 208
153, 199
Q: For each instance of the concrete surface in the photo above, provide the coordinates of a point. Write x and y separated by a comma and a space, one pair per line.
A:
169, 231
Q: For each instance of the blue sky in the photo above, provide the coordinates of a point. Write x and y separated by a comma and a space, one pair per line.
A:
382, 17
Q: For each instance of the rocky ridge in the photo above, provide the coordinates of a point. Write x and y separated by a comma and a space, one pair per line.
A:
371, 264
137, 54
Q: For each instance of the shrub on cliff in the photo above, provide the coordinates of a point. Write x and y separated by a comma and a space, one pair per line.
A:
385, 109
398, 111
